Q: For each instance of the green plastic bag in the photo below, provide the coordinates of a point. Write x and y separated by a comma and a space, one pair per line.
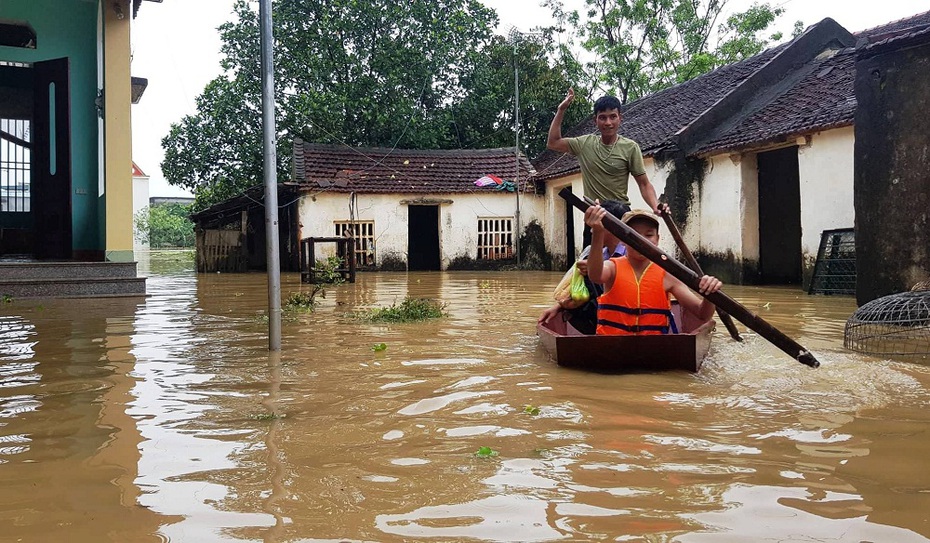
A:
579, 291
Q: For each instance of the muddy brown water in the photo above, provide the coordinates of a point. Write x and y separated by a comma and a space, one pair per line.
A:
166, 419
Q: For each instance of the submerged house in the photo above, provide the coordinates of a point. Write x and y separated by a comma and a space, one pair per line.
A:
406, 210
415, 209
756, 158
65, 147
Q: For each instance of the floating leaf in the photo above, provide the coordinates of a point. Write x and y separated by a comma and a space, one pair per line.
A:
485, 452
378, 347
530, 409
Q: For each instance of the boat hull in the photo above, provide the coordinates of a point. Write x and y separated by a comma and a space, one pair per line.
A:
624, 354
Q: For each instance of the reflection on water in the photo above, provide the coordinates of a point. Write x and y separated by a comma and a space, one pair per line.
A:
165, 418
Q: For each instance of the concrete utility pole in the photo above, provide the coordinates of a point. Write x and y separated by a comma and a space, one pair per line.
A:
270, 164
515, 37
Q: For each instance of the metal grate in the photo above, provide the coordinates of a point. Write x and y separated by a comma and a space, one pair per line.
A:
495, 238
898, 325
364, 234
835, 269
15, 165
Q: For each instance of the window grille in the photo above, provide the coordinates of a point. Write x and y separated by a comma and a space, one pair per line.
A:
495, 238
15, 165
364, 234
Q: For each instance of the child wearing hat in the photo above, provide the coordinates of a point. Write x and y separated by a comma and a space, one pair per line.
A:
636, 291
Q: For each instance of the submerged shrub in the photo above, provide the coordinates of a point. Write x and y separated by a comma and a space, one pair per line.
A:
411, 309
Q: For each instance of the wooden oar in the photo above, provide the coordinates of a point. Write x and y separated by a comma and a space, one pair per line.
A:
691, 261
692, 280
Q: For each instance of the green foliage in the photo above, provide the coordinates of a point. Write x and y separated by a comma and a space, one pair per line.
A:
642, 46
531, 410
486, 452
325, 273
164, 225
379, 347
424, 74
411, 309
6, 298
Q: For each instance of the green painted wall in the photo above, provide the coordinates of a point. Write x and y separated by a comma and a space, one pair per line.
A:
68, 28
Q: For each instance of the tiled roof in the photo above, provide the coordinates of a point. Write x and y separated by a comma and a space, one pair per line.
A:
822, 98
921, 19
339, 168
653, 119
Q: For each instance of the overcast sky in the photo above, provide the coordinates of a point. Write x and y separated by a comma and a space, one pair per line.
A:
176, 46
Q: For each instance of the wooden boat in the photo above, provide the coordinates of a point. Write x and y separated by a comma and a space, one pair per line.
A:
621, 354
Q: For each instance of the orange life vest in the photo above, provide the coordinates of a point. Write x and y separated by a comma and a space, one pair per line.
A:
634, 307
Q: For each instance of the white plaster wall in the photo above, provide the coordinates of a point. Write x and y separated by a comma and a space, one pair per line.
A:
458, 220
554, 216
720, 204
826, 168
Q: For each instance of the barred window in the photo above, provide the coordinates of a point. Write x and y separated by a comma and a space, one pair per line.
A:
364, 234
495, 238
15, 174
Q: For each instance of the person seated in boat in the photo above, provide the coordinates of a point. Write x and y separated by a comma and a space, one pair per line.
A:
584, 318
636, 291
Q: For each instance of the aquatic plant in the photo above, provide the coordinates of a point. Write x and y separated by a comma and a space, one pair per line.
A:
411, 309
378, 347
485, 452
530, 409
325, 273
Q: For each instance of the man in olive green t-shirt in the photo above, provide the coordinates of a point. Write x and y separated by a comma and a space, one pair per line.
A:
606, 160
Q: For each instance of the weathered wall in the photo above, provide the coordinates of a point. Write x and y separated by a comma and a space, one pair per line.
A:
826, 168
892, 167
458, 235
722, 225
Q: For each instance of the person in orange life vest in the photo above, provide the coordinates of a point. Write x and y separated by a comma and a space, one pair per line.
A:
584, 318
636, 291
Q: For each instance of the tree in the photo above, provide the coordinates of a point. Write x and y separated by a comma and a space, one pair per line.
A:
642, 46
426, 74
483, 117
165, 225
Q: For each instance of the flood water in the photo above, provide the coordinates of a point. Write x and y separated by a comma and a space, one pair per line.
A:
166, 419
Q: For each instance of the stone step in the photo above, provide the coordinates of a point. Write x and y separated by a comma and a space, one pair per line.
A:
71, 288
65, 270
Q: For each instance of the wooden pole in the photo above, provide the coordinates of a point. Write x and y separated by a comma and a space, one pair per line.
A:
692, 280
691, 261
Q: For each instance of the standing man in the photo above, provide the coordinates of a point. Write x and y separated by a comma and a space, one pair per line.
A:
606, 160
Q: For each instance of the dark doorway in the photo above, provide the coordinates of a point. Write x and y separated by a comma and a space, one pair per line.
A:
423, 238
779, 217
35, 160
51, 160
569, 234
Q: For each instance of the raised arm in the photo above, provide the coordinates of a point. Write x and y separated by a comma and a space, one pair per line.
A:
599, 271
555, 141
